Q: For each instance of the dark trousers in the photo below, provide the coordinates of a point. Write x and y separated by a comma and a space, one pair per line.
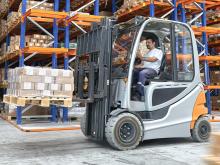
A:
141, 76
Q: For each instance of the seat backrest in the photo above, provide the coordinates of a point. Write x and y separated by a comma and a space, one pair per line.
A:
163, 63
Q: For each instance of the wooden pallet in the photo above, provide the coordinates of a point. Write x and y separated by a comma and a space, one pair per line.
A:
41, 101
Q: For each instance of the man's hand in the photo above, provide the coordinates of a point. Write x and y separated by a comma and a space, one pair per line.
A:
138, 66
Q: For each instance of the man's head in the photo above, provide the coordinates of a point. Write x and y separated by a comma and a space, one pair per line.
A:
150, 42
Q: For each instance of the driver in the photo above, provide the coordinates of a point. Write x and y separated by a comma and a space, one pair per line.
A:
150, 65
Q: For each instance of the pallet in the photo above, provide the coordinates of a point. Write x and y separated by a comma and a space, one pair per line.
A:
41, 101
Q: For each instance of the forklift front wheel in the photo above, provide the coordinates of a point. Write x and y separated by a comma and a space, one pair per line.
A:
201, 130
124, 132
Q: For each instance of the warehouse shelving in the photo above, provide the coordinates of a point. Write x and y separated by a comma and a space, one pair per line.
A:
204, 30
214, 43
35, 16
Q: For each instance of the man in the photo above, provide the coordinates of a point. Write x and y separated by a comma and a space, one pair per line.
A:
150, 66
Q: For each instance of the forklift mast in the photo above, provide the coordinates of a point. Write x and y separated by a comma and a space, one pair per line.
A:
93, 73
93, 63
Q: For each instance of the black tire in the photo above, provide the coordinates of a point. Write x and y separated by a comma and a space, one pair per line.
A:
201, 130
83, 124
124, 132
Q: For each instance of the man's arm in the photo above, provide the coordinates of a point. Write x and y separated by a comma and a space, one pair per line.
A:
149, 59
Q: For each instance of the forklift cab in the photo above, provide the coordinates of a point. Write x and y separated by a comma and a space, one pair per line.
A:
179, 66
174, 100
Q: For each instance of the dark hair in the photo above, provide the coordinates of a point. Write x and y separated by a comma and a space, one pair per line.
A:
151, 38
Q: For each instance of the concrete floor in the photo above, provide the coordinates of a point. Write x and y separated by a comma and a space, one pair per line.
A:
71, 147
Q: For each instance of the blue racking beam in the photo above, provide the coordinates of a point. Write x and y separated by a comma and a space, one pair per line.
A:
53, 108
152, 12
174, 13
66, 58
96, 7
113, 6
206, 68
21, 57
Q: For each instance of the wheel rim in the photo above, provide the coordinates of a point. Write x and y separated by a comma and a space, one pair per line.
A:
127, 132
203, 131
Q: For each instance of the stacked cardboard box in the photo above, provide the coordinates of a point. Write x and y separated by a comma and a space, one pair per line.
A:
213, 14
43, 82
128, 4
43, 6
215, 77
38, 40
4, 5
2, 75
3, 27
215, 102
35, 40
13, 19
3, 49
213, 157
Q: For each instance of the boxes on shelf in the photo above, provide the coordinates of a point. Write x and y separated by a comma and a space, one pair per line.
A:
13, 19
2, 73
4, 5
40, 82
43, 6
105, 13
213, 14
215, 77
3, 29
35, 40
128, 4
3, 49
215, 102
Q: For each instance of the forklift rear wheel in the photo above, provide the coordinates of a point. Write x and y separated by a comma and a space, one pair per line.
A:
124, 132
201, 130
83, 124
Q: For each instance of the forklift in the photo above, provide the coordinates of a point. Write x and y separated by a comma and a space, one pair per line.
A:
174, 100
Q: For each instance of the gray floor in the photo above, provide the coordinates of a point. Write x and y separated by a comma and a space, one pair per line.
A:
71, 147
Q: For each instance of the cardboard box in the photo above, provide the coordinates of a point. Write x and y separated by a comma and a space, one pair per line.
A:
41, 72
67, 87
27, 93
37, 44
63, 94
46, 93
25, 85
54, 72
66, 73
25, 71
40, 86
25, 78
64, 80
36, 36
54, 87
34, 81
47, 79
